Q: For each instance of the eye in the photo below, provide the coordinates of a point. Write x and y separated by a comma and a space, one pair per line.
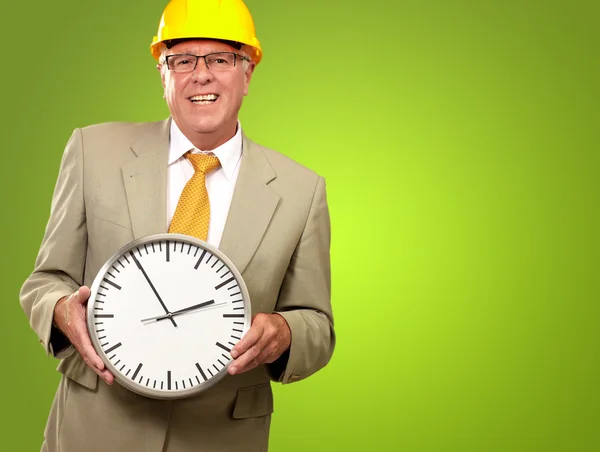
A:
184, 61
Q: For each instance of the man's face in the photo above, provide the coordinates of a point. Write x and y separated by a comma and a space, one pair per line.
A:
207, 123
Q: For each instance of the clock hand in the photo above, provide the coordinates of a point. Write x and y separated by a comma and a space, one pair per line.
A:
205, 305
152, 286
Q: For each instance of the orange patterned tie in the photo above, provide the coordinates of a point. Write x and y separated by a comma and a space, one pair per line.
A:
193, 209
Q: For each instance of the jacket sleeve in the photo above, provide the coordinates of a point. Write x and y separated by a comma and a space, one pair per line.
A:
305, 298
59, 266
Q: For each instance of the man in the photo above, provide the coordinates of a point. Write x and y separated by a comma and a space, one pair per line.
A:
120, 182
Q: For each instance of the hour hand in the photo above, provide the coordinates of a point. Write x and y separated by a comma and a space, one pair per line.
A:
181, 311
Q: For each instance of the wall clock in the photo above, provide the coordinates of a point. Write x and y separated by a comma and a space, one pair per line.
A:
164, 313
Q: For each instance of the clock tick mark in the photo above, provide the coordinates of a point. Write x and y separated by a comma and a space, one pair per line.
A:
168, 252
223, 347
115, 269
222, 364
114, 347
169, 380
235, 337
104, 316
200, 260
233, 316
238, 323
136, 371
198, 379
216, 368
211, 374
225, 274
213, 265
225, 356
220, 268
201, 372
122, 367
234, 294
224, 283
116, 286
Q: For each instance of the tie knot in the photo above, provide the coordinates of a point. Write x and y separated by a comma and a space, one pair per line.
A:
203, 163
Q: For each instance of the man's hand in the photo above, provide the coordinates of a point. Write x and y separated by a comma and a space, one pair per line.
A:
70, 317
266, 340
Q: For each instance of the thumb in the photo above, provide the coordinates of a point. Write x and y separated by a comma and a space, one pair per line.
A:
82, 294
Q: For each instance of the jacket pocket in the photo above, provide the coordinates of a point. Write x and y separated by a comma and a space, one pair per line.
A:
75, 369
110, 214
253, 401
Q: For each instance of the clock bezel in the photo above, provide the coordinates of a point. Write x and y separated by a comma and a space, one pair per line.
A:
121, 378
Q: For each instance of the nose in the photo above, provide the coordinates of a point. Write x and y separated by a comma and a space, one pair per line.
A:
201, 74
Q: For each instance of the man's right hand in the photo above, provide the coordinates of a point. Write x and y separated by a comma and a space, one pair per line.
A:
70, 316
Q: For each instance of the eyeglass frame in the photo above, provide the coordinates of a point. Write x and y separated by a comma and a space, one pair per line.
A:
235, 55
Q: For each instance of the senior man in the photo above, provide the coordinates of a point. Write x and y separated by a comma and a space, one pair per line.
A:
121, 181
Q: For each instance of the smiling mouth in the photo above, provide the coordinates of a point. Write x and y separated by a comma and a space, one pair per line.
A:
205, 99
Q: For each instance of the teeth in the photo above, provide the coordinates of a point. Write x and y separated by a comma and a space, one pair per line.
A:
204, 97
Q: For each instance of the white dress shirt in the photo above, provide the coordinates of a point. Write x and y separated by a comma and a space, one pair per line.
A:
219, 183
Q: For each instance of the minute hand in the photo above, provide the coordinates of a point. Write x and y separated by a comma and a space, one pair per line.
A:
152, 286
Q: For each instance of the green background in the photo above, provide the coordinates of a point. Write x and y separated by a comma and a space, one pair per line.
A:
459, 141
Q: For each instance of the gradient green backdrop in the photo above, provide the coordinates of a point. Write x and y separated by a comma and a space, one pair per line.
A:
459, 140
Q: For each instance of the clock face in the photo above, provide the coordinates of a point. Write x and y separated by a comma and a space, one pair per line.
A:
165, 312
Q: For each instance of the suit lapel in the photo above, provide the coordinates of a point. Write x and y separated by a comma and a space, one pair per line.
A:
252, 206
145, 180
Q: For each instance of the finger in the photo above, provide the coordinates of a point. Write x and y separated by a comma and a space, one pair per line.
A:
82, 295
248, 340
252, 357
264, 351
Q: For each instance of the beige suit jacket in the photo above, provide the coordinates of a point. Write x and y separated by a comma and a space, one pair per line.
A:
112, 189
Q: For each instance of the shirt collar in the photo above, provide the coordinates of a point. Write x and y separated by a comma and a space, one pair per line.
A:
228, 153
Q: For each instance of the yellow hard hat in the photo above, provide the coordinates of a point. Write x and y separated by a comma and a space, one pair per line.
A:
227, 20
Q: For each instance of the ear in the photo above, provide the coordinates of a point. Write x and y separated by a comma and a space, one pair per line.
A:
162, 74
248, 76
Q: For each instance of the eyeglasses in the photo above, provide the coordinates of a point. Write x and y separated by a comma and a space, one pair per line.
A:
218, 62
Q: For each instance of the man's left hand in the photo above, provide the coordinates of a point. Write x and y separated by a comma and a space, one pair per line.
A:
266, 340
